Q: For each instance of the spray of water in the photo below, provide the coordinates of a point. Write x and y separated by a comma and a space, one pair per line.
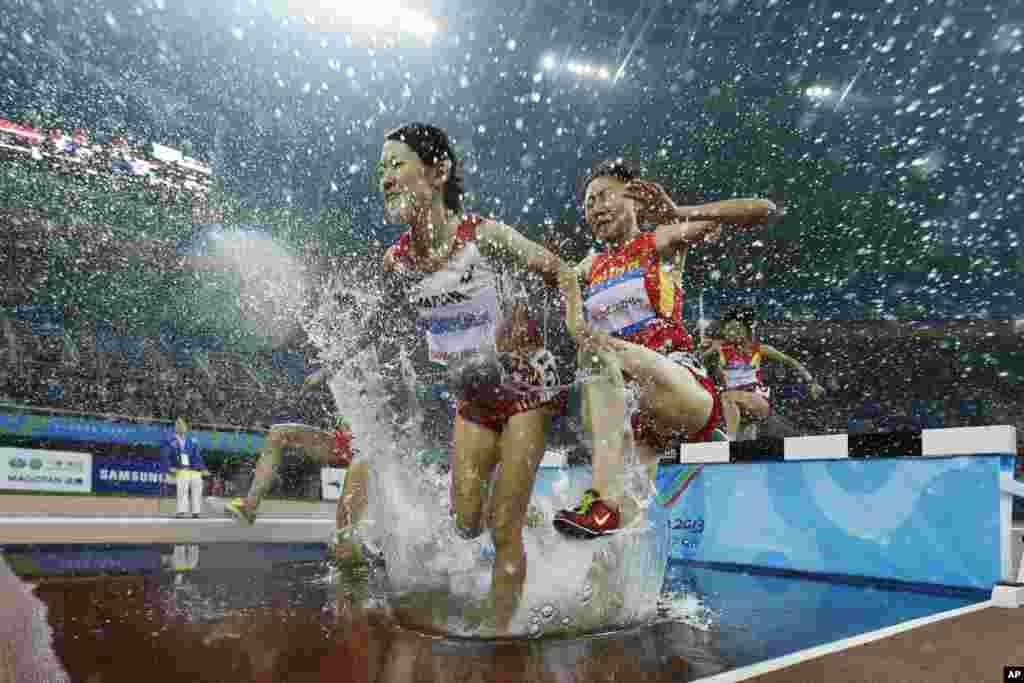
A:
570, 587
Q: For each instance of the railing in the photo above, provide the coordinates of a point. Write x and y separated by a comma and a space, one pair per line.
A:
1010, 591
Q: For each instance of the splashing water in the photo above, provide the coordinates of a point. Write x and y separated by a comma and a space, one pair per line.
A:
571, 586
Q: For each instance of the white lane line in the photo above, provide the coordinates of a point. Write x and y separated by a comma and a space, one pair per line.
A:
794, 658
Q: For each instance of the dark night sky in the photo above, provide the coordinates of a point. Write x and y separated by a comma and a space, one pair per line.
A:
286, 113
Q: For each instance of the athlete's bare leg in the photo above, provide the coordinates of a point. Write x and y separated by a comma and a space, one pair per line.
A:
473, 462
352, 506
738, 403
672, 398
317, 444
522, 449
604, 419
669, 392
731, 413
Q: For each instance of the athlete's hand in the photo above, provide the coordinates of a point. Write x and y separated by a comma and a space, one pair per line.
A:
713, 235
653, 203
710, 344
592, 340
817, 391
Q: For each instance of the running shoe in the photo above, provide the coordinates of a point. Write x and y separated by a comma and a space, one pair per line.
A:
590, 519
236, 508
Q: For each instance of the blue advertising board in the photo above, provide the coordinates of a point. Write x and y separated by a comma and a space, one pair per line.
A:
139, 476
55, 560
920, 520
100, 431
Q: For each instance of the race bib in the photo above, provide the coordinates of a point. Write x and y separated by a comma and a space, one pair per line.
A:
543, 362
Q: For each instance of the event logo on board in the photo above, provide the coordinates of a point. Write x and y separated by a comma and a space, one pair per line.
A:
28, 469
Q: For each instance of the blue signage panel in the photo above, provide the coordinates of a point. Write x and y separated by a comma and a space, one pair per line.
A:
922, 520
83, 560
139, 476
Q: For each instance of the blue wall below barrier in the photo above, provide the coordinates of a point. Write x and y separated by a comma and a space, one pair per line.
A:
922, 520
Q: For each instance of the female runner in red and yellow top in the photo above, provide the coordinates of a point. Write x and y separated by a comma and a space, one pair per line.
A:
738, 359
630, 296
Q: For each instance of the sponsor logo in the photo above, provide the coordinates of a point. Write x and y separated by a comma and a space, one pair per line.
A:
130, 476
35, 463
694, 525
602, 519
446, 299
46, 479
71, 465
687, 543
603, 312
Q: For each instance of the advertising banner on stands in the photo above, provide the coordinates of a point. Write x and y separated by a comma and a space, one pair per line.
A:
30, 469
139, 476
85, 560
99, 431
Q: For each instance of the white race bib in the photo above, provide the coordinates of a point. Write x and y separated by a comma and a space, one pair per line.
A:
620, 305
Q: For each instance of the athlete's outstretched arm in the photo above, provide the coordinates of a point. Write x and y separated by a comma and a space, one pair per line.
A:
503, 241
656, 206
675, 239
774, 354
735, 211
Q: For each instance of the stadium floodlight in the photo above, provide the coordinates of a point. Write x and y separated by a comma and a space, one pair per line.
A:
389, 15
375, 16
549, 62
584, 70
818, 92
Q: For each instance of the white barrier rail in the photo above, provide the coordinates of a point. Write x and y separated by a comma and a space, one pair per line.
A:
1010, 591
